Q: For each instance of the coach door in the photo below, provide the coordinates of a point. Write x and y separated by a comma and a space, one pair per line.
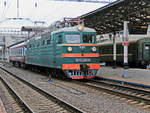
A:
146, 51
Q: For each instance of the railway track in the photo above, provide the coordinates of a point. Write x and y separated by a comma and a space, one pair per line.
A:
133, 95
12, 102
34, 99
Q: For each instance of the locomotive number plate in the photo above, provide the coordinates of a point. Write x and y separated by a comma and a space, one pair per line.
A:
83, 60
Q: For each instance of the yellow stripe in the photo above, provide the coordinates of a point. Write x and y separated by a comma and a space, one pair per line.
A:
122, 79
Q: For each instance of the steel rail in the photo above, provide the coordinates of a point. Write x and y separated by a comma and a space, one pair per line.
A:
60, 102
136, 90
24, 105
114, 92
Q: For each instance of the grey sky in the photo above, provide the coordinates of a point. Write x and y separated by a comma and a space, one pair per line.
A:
46, 10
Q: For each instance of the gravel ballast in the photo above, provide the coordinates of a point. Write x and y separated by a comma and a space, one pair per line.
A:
87, 99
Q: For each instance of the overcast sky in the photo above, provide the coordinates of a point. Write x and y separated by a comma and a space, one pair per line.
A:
46, 10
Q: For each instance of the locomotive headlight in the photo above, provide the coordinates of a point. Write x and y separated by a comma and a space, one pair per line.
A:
80, 28
94, 49
69, 49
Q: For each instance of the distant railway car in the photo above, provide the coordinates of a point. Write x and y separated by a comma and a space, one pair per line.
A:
17, 53
138, 51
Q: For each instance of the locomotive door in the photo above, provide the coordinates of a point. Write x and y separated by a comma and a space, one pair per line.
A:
146, 51
54, 50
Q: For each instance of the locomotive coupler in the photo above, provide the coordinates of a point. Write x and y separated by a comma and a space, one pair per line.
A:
84, 68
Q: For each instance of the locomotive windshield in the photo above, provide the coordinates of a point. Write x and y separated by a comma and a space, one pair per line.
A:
88, 38
80, 38
72, 39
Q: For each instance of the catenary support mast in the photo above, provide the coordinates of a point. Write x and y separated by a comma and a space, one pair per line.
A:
125, 46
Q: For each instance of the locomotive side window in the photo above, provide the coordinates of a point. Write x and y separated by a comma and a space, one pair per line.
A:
38, 43
60, 39
72, 39
43, 42
30, 45
48, 42
88, 38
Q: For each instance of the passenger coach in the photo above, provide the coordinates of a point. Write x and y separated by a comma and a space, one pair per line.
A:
138, 52
17, 53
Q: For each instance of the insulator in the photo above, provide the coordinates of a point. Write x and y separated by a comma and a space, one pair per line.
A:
4, 3
35, 4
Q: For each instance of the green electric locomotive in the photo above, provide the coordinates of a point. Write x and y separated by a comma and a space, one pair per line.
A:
70, 50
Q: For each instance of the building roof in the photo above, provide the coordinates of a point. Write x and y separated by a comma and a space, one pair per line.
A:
110, 18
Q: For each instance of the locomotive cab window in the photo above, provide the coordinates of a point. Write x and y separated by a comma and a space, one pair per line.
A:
73, 39
88, 38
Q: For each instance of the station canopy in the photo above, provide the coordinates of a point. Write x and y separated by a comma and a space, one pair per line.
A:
110, 18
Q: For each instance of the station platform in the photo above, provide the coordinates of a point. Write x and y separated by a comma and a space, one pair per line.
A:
2, 108
135, 76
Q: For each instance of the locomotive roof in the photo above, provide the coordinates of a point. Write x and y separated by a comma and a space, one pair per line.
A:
22, 43
131, 39
73, 29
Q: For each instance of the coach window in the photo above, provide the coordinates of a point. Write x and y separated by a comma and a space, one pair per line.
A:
16, 52
12, 53
19, 51
88, 38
